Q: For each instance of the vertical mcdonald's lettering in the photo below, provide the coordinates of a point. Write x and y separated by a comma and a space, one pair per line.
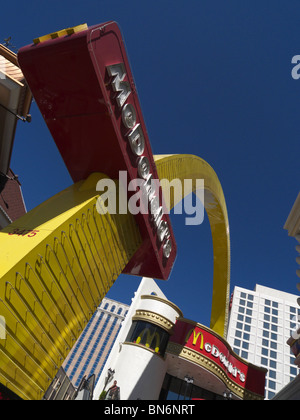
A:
137, 144
117, 71
102, 129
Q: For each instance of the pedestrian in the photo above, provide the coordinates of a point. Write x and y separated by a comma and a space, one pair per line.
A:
114, 392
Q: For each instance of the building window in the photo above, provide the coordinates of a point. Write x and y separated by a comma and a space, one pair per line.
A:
264, 361
272, 385
274, 328
245, 345
293, 371
237, 342
148, 335
274, 337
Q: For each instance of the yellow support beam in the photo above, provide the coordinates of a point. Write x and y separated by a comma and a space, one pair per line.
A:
192, 167
56, 265
59, 260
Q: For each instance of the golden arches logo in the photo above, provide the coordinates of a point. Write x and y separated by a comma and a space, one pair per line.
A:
193, 167
196, 335
63, 271
59, 260
150, 336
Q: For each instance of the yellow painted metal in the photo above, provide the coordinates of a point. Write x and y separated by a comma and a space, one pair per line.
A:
59, 34
56, 265
59, 260
192, 167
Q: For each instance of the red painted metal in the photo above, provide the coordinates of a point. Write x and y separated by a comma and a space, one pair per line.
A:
70, 83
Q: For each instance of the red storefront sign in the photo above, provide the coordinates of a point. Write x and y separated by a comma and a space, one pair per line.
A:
84, 87
211, 346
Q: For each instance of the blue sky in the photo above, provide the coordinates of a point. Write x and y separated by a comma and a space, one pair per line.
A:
214, 80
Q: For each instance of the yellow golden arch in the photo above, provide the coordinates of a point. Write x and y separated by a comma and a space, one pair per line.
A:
192, 167
149, 338
59, 260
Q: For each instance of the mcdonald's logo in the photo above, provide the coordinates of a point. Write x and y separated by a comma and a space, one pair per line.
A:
149, 339
196, 335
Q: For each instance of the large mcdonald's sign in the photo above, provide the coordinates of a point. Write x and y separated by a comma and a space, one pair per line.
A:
201, 345
59, 260
82, 82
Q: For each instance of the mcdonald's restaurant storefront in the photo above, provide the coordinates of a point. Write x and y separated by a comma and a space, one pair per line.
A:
208, 367
160, 355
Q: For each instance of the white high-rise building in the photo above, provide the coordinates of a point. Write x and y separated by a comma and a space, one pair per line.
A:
261, 322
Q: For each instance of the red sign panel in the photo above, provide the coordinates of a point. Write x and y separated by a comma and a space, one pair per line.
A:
85, 90
212, 347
